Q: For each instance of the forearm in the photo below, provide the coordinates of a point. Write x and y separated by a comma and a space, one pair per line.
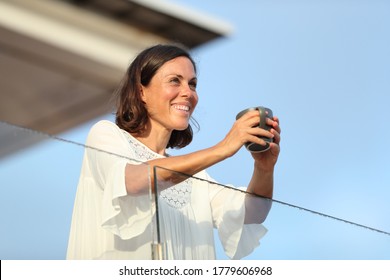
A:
188, 164
170, 170
257, 209
262, 182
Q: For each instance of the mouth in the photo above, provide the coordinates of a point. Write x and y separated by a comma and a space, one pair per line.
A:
183, 108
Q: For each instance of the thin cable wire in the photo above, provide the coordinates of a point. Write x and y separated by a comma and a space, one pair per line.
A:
201, 179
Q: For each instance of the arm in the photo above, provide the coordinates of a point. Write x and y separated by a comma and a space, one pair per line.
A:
261, 184
242, 131
171, 169
262, 181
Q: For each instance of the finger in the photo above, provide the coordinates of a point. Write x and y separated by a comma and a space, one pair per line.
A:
274, 123
276, 136
250, 119
257, 140
274, 149
273, 133
257, 131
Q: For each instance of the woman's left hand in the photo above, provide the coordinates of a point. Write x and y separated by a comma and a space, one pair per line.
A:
266, 160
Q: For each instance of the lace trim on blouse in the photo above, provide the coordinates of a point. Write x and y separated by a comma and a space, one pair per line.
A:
176, 196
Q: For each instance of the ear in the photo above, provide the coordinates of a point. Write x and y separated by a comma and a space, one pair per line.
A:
142, 93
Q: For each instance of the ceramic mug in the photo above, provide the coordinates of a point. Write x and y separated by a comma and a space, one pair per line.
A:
264, 113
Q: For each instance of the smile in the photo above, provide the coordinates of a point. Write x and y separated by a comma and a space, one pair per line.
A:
182, 107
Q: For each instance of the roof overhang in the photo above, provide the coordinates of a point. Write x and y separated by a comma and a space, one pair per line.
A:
60, 61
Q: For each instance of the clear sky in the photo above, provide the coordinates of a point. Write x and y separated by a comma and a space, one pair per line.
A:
324, 69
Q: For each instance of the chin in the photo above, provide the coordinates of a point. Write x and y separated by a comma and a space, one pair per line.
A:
182, 127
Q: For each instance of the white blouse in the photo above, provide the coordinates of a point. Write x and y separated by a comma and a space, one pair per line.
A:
108, 223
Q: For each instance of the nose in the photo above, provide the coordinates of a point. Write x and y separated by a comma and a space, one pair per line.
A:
188, 92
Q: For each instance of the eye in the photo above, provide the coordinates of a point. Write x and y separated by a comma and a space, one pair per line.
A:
175, 80
193, 84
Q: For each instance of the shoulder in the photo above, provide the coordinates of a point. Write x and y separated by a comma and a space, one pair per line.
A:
102, 131
104, 125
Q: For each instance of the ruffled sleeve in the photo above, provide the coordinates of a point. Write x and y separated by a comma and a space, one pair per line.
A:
122, 214
228, 209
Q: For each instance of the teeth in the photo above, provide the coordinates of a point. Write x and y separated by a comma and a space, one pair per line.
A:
182, 107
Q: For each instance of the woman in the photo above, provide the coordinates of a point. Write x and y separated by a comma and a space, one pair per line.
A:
112, 217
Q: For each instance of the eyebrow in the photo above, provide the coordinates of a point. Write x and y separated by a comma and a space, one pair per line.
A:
181, 76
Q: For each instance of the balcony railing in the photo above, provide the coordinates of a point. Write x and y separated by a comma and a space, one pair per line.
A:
38, 188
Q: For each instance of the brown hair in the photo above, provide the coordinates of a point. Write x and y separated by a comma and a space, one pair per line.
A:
131, 114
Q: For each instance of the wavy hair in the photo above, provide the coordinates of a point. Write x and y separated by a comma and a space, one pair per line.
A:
131, 114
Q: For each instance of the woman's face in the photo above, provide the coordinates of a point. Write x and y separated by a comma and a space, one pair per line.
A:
171, 96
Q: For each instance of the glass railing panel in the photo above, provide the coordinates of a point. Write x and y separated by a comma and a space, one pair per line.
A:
38, 190
40, 175
252, 227
296, 233
189, 208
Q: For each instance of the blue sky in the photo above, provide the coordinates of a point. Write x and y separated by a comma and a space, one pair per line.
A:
324, 69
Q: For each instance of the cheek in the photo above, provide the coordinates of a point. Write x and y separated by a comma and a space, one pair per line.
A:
196, 99
169, 93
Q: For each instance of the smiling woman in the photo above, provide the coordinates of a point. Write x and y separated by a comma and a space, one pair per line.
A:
170, 97
157, 68
155, 102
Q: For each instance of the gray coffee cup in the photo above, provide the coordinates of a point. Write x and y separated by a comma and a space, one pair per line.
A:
264, 113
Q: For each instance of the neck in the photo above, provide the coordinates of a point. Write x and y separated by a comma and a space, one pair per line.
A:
156, 140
